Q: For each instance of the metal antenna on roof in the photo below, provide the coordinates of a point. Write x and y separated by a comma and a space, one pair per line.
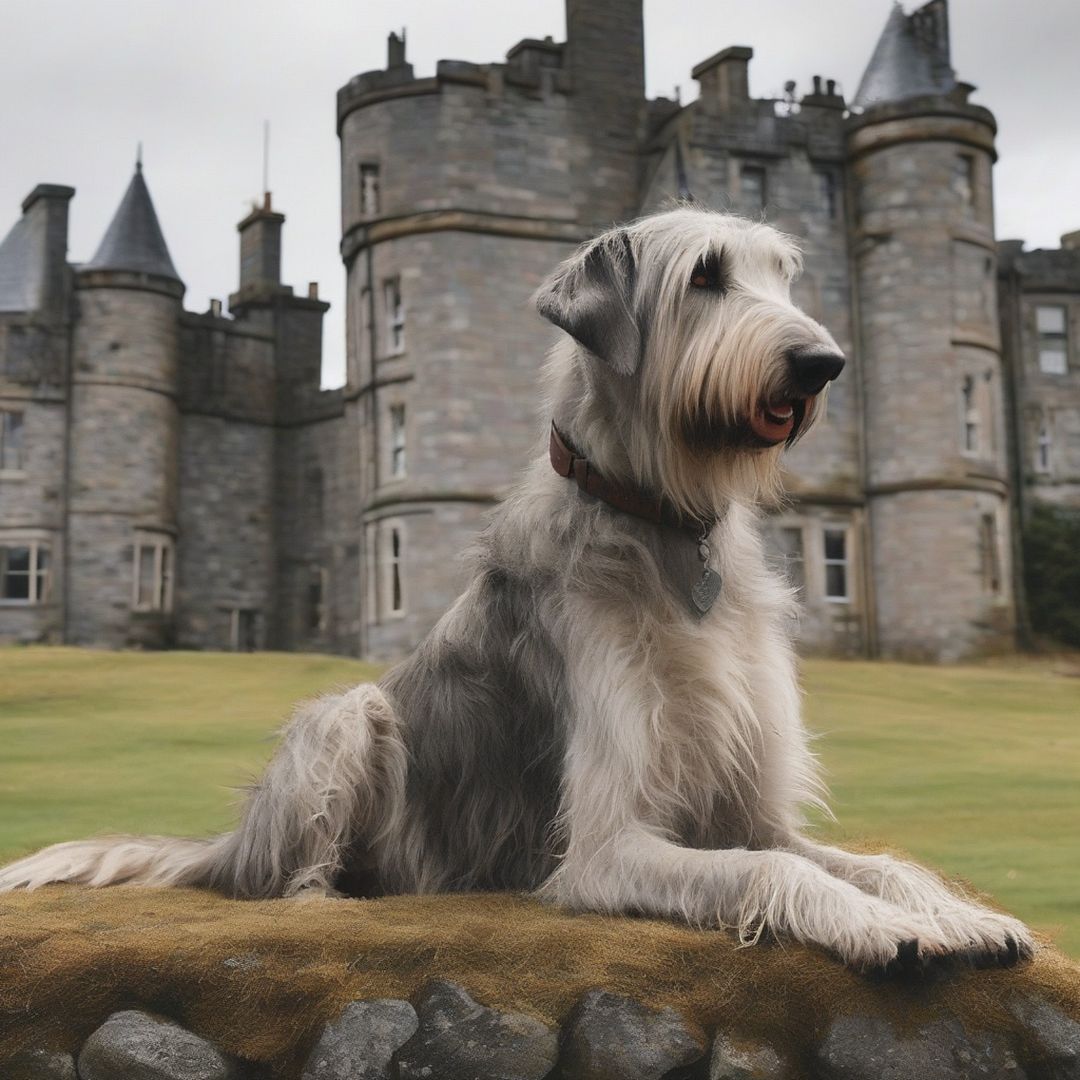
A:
266, 157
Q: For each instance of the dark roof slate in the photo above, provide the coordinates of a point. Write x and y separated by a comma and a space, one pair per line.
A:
21, 268
910, 60
133, 240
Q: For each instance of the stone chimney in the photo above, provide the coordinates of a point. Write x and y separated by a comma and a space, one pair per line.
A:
260, 247
725, 77
46, 210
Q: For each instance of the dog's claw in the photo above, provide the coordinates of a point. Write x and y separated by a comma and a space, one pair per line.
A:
907, 955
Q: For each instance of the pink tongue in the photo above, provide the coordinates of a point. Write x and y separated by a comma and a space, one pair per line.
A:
768, 429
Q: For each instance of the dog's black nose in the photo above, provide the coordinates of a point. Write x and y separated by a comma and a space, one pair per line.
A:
812, 366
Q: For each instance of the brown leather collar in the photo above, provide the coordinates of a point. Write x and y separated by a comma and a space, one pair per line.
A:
569, 463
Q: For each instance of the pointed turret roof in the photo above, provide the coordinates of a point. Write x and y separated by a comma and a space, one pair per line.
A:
133, 240
21, 267
911, 58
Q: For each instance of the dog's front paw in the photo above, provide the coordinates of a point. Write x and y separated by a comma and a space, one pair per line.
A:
983, 938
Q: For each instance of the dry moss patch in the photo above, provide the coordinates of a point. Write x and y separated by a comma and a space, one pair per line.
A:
260, 978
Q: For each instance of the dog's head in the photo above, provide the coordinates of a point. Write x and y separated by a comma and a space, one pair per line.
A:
693, 349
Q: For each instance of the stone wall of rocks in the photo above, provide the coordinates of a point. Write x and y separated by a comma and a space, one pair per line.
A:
444, 1034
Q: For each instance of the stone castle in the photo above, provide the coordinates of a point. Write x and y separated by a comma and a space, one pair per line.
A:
178, 478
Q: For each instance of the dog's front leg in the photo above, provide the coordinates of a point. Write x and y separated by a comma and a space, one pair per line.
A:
756, 893
966, 927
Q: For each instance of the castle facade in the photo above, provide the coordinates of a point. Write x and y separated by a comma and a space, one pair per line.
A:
173, 478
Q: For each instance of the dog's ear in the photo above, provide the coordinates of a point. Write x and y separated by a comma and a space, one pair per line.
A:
591, 297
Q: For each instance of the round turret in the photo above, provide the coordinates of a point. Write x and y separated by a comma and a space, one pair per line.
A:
124, 434
931, 374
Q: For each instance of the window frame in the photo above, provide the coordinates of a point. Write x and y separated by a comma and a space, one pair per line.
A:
970, 417
1044, 337
844, 562
392, 569
374, 207
394, 315
993, 570
163, 572
39, 578
399, 448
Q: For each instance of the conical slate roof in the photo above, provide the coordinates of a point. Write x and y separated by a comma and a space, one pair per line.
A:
134, 240
21, 268
911, 58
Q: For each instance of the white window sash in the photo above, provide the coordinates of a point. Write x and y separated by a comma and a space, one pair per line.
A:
39, 579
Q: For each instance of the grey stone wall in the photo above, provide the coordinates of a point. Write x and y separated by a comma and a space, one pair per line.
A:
225, 545
124, 439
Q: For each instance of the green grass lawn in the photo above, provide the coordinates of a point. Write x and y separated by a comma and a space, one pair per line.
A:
975, 770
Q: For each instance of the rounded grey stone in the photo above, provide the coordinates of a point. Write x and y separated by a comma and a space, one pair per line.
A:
609, 1037
745, 1060
39, 1065
134, 1046
360, 1043
459, 1039
869, 1048
1052, 1038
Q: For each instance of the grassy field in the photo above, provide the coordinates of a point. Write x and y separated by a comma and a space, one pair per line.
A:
975, 770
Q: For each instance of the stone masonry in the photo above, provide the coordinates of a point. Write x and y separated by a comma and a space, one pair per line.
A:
179, 478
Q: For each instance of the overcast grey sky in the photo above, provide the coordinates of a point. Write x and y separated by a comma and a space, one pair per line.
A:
81, 84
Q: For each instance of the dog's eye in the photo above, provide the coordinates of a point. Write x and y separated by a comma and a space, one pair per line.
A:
708, 274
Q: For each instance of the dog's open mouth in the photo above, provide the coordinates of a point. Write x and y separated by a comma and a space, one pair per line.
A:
777, 420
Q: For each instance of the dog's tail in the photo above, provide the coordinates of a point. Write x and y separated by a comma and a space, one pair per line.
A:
329, 791
118, 860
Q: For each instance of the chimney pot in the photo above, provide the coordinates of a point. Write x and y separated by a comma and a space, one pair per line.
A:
215, 308
313, 290
817, 84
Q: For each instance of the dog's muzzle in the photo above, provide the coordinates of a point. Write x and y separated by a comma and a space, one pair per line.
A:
810, 369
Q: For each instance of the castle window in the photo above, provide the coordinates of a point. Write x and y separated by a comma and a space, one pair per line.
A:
243, 630
1043, 448
964, 181
828, 200
369, 189
836, 565
153, 585
11, 441
392, 552
24, 572
395, 316
317, 614
397, 442
991, 555
752, 187
970, 416
371, 576
1053, 339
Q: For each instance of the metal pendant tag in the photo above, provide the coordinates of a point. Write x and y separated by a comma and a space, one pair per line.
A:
705, 591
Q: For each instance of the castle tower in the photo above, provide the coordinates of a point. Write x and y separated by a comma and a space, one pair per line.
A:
920, 159
35, 308
460, 192
124, 434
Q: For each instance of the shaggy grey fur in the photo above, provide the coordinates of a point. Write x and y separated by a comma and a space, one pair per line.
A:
572, 725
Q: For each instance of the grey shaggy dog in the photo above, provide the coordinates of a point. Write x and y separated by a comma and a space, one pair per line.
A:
594, 720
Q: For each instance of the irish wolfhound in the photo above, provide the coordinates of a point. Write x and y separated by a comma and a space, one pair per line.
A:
609, 714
